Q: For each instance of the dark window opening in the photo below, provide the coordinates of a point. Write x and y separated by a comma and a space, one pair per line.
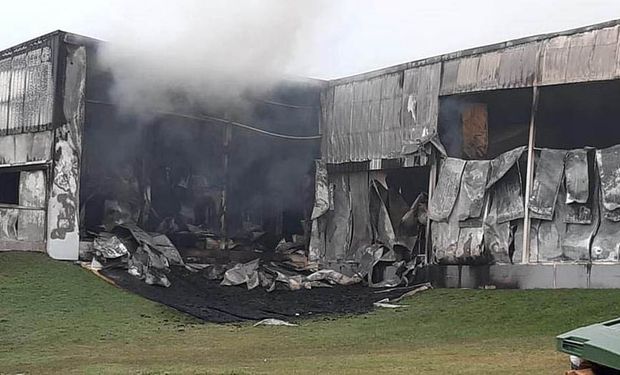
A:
484, 125
578, 115
9, 188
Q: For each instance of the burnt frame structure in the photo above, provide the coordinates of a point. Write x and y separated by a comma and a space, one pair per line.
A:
388, 118
58, 127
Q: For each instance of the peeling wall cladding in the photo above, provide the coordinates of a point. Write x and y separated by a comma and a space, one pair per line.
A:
372, 119
27, 88
591, 55
580, 57
512, 67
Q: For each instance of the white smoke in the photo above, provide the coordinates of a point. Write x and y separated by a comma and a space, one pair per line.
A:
212, 51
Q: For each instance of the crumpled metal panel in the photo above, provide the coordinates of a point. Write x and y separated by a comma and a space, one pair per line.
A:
517, 256
383, 230
577, 181
608, 162
447, 189
576, 243
420, 106
470, 244
547, 180
606, 243
445, 239
590, 55
497, 237
508, 197
321, 191
473, 189
551, 232
26, 147
359, 191
502, 164
339, 220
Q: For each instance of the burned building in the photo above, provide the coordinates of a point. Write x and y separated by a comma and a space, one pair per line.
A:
516, 147
73, 162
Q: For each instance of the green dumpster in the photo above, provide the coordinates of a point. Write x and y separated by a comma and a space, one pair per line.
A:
597, 343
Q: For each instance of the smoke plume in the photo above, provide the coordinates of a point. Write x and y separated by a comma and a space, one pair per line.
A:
210, 51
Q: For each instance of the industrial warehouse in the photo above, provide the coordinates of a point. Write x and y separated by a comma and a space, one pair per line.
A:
495, 166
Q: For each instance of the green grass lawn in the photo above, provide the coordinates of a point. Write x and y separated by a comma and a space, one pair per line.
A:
57, 318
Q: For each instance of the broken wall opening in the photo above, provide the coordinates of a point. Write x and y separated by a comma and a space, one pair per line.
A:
184, 175
573, 202
578, 115
483, 125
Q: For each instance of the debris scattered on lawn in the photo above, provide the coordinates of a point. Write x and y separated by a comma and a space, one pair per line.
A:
386, 303
274, 322
392, 303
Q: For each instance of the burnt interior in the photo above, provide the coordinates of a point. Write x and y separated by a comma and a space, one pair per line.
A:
9, 187
508, 119
179, 174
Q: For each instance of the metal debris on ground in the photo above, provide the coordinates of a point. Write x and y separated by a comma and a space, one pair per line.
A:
274, 322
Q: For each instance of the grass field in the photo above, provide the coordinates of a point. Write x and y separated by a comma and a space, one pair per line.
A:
58, 318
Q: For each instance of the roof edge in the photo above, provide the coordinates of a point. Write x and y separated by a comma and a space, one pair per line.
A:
469, 52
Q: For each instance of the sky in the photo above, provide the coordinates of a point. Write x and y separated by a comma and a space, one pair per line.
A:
315, 38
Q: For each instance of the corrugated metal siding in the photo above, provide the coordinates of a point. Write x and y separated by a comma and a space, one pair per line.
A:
509, 68
592, 55
26, 90
420, 105
372, 119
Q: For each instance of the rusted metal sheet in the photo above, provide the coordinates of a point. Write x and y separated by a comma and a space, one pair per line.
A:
391, 129
31, 225
8, 223
547, 180
63, 204
32, 189
447, 189
475, 131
